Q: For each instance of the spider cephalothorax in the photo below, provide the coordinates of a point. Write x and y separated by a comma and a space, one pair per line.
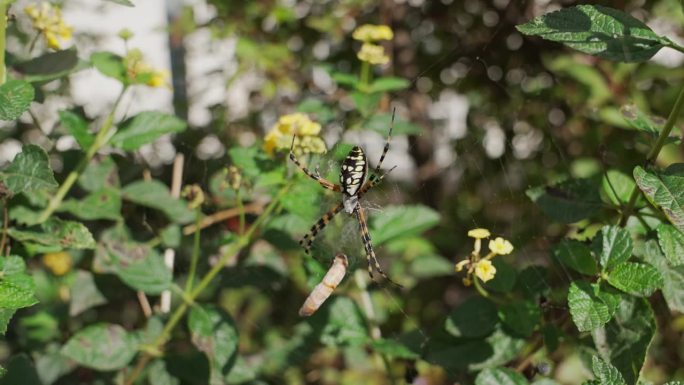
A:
354, 183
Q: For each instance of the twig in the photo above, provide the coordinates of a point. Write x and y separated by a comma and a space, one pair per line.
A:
170, 254
5, 226
252, 208
145, 304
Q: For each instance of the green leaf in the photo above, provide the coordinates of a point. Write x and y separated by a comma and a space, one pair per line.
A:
606, 373
577, 256
139, 266
663, 189
103, 204
387, 84
58, 233
158, 374
109, 64
214, 333
15, 98
345, 79
521, 317
624, 341
381, 123
50, 66
146, 127
393, 349
84, 294
402, 221
21, 371
102, 347
366, 103
600, 31
99, 174
671, 242
505, 277
17, 291
127, 3
30, 170
617, 187
171, 236
500, 376
590, 307
77, 127
345, 325
639, 121
5, 317
613, 245
156, 195
476, 317
673, 277
569, 201
636, 278
249, 160
534, 281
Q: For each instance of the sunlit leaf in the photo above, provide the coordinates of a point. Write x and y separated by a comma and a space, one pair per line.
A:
663, 189
671, 242
77, 127
590, 307
673, 277
139, 266
638, 279
613, 246
56, 232
102, 347
401, 221
103, 204
606, 373
15, 98
605, 32
393, 349
30, 170
387, 84
109, 64
500, 376
17, 289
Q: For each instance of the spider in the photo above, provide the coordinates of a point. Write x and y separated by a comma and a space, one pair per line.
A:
353, 185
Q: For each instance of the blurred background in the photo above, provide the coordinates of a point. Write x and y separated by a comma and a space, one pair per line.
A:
488, 113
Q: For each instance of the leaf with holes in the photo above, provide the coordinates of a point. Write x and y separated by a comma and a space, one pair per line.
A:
102, 347
214, 334
590, 307
664, 190
624, 341
57, 233
500, 376
15, 98
637, 279
597, 30
30, 170
146, 127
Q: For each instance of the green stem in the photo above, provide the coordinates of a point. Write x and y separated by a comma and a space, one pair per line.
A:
483, 292
3, 27
365, 75
241, 207
100, 140
675, 46
653, 153
195, 252
242, 241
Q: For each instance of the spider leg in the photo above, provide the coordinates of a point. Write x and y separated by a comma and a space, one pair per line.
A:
375, 176
373, 181
308, 239
313, 175
368, 245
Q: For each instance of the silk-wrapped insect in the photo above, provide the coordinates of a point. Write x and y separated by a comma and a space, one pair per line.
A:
323, 290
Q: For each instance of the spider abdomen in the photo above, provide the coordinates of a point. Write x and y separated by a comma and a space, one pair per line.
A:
354, 170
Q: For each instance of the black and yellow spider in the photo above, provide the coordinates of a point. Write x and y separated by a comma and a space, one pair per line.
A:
353, 185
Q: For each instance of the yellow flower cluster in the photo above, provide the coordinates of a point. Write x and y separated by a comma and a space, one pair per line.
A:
369, 34
481, 267
306, 134
140, 72
58, 263
47, 20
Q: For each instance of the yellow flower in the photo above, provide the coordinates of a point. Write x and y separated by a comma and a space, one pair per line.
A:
47, 20
373, 54
485, 270
370, 32
58, 263
500, 246
140, 72
478, 233
459, 266
298, 126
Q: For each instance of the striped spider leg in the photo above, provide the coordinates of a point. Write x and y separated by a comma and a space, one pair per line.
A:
353, 185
